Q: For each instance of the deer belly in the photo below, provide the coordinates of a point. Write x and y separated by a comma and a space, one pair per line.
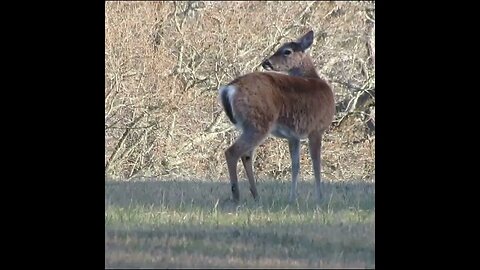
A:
282, 131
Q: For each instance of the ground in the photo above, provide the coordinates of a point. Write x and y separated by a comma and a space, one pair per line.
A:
168, 223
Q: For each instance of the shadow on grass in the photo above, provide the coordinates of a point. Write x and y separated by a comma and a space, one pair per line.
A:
181, 194
195, 246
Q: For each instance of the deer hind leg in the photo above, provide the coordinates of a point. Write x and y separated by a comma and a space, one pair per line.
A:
249, 139
315, 145
248, 165
294, 148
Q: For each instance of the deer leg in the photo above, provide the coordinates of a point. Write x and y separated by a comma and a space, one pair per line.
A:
248, 165
294, 148
315, 145
249, 139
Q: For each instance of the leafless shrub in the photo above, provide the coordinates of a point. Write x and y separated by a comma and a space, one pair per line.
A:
164, 62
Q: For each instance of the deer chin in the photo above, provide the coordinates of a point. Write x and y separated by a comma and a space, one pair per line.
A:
278, 71
267, 66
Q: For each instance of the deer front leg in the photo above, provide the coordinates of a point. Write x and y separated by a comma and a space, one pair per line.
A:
294, 148
315, 145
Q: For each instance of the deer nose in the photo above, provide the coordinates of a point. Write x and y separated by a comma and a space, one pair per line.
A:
267, 65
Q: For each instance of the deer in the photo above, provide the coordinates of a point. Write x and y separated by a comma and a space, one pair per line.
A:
288, 100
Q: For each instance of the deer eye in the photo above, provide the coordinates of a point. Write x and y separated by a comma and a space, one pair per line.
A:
287, 51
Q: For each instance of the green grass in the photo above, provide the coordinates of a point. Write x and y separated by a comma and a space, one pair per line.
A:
174, 223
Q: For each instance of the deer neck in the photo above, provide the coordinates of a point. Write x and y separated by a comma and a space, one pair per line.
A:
306, 69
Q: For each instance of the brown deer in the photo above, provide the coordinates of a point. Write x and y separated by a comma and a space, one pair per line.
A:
293, 106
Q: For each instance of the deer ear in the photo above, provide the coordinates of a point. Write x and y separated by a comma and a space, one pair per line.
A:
306, 41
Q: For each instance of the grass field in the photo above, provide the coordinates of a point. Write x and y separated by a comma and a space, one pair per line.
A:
180, 223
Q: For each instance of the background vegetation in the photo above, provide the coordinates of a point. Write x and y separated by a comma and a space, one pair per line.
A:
164, 62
